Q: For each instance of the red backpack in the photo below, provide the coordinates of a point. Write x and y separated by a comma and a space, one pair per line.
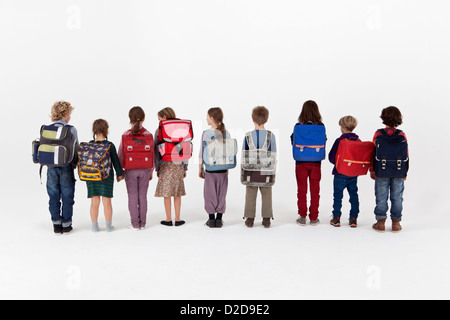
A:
354, 157
137, 150
175, 140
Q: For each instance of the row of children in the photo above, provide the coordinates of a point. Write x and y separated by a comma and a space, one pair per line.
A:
169, 150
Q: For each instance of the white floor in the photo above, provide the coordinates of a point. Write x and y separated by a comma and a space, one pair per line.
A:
193, 261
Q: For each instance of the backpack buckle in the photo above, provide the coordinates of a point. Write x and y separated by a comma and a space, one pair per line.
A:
129, 148
399, 164
383, 164
147, 148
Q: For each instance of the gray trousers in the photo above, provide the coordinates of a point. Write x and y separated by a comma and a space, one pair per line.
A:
250, 202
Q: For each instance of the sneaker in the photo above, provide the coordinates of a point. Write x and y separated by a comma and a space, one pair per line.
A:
67, 230
57, 229
95, 229
301, 221
219, 223
211, 223
266, 222
336, 221
249, 222
314, 222
110, 228
379, 225
133, 228
352, 222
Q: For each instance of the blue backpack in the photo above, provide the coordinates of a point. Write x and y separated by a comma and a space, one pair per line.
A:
308, 142
219, 154
391, 155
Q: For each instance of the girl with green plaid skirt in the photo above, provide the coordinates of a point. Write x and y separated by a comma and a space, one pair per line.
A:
103, 191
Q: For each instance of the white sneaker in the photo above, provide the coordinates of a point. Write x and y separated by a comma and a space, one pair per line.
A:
133, 228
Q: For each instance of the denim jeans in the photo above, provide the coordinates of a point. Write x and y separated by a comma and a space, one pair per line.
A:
389, 188
341, 183
61, 187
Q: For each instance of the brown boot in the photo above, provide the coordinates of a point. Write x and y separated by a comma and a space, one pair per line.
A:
266, 222
396, 227
379, 226
249, 222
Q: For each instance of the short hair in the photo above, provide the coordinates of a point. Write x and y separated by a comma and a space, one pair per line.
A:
260, 115
391, 116
60, 110
348, 122
100, 126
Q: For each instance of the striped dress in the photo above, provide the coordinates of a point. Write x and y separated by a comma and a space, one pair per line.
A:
106, 188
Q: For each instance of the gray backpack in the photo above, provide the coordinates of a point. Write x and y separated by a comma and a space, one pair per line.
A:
258, 166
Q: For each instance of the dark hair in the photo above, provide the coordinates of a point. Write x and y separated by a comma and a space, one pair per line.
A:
260, 115
391, 116
217, 115
310, 112
100, 126
137, 116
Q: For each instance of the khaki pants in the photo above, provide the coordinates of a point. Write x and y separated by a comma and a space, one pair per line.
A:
250, 202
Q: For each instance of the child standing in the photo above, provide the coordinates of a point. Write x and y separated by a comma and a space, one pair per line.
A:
103, 191
312, 170
390, 185
137, 180
216, 182
342, 182
170, 178
260, 115
61, 180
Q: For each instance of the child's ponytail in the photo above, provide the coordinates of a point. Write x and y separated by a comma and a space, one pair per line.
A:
137, 116
217, 115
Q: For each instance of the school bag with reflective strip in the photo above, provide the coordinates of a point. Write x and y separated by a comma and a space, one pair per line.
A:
354, 157
308, 142
94, 161
175, 140
258, 167
56, 146
137, 150
391, 155
219, 154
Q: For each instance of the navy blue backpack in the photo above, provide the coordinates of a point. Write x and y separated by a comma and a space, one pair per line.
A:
391, 155
308, 142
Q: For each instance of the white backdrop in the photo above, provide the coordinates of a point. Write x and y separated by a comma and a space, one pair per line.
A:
351, 57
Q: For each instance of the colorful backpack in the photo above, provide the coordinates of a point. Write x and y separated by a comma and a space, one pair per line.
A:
137, 150
308, 142
56, 146
391, 155
354, 157
258, 167
94, 161
219, 154
175, 140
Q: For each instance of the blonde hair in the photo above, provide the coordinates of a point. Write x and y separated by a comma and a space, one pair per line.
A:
60, 110
168, 113
348, 122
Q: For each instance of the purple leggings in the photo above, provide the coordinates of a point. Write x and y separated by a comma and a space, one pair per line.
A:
215, 192
137, 186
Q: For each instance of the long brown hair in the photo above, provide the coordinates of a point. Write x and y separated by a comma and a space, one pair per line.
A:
217, 115
167, 112
310, 112
137, 116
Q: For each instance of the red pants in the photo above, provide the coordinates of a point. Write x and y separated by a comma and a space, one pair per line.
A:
314, 172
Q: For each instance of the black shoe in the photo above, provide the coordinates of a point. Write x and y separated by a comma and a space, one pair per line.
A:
179, 223
57, 228
211, 223
167, 223
219, 223
67, 230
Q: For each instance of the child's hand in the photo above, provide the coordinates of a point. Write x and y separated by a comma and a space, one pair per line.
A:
151, 177
201, 175
184, 175
372, 175
120, 178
